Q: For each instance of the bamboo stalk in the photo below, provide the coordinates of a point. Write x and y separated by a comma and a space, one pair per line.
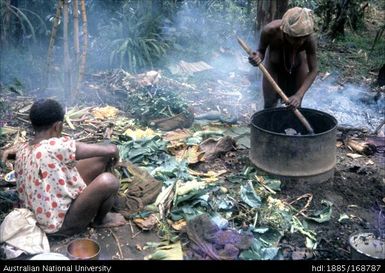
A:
52, 40
67, 71
83, 56
75, 11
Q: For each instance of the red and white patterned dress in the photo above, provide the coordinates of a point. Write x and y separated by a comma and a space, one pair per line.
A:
47, 180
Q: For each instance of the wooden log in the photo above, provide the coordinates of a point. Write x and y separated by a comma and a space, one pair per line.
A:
363, 148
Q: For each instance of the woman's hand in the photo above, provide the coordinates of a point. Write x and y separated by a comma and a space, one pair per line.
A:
294, 102
115, 158
8, 154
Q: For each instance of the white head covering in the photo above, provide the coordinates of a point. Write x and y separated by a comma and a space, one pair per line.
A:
298, 22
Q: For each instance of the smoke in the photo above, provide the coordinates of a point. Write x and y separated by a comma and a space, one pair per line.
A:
352, 106
198, 32
210, 35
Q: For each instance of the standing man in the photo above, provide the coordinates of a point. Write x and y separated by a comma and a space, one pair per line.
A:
288, 47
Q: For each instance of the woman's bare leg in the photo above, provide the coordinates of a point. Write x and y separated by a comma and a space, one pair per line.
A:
94, 203
270, 96
90, 168
300, 75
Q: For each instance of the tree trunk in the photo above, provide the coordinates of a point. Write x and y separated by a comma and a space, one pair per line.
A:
6, 24
338, 27
76, 30
75, 71
327, 11
52, 41
156, 8
248, 8
67, 71
17, 25
268, 11
82, 65
381, 76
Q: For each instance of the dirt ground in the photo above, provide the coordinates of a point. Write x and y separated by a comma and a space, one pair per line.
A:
357, 190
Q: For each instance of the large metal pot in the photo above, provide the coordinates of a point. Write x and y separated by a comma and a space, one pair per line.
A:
311, 157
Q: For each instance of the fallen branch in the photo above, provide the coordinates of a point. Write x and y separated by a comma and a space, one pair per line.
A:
136, 234
132, 229
302, 211
379, 127
361, 147
118, 244
261, 181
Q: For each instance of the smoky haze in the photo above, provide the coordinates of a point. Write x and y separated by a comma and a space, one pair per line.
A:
352, 105
198, 34
214, 39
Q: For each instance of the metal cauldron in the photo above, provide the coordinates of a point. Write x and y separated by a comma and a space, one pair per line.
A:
308, 157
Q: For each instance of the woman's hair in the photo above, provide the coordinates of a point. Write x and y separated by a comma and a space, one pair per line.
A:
44, 113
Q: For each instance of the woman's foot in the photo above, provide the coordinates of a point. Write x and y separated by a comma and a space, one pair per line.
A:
111, 219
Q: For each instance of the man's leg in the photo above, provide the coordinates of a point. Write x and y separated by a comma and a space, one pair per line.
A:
94, 203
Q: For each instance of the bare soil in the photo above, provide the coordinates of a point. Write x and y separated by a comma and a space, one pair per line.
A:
357, 189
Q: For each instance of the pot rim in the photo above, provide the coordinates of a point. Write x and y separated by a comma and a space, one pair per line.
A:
97, 253
292, 136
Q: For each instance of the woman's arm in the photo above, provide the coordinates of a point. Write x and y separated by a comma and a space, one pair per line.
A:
9, 153
84, 150
311, 57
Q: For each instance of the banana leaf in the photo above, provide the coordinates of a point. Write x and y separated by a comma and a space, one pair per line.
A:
270, 237
167, 252
323, 215
257, 251
249, 196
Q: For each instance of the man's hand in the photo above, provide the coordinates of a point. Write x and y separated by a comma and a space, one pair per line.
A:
256, 58
294, 102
